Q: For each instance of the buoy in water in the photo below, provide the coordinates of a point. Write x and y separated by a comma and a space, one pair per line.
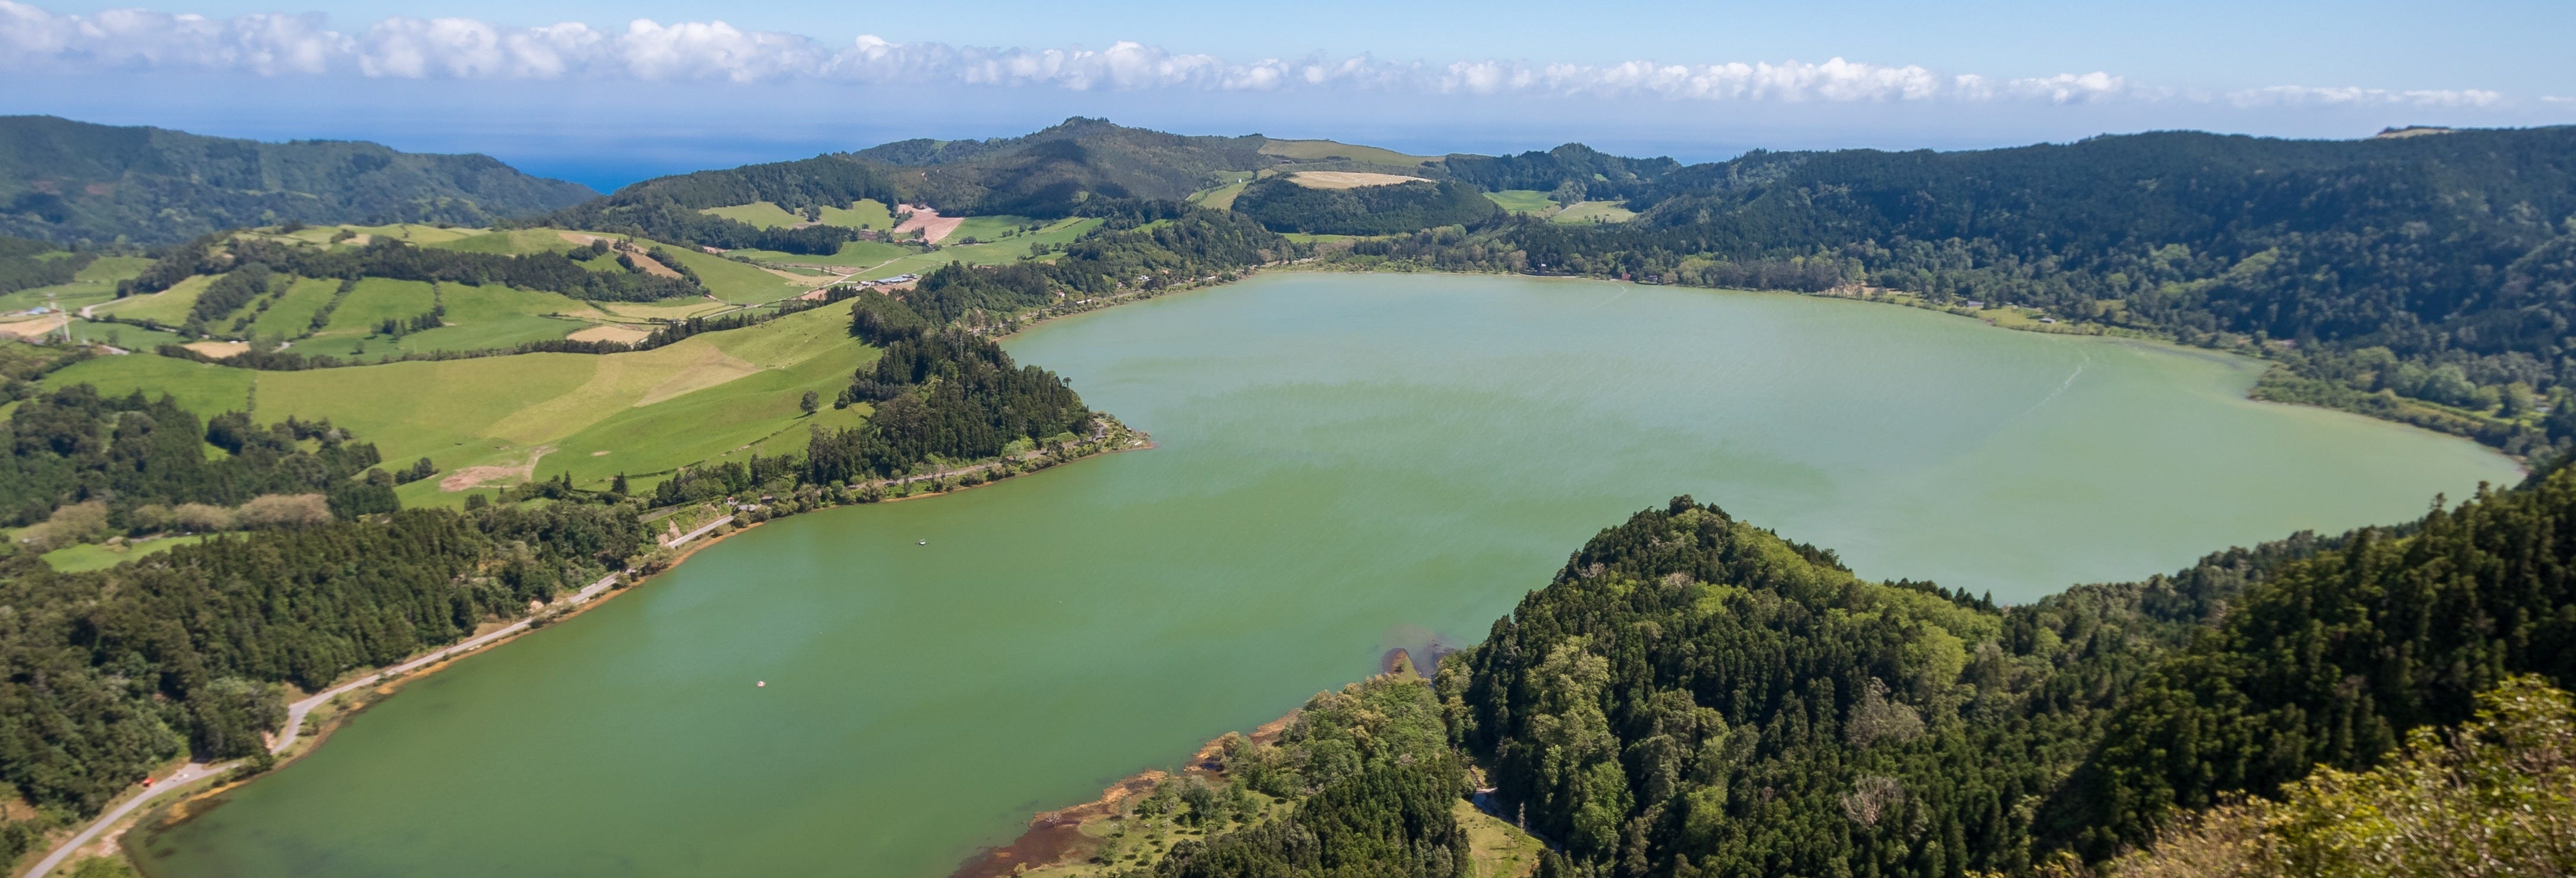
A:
762, 684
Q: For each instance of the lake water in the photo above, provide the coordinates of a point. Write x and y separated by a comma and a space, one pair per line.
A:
1348, 463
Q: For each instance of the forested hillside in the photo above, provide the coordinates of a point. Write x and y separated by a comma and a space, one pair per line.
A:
667, 208
2427, 279
1052, 172
27, 264
74, 182
1695, 696
1282, 205
1080, 167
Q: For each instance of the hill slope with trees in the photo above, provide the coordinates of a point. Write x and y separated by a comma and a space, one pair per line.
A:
78, 183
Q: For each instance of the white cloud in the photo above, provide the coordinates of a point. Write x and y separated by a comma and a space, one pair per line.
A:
32, 39
2293, 95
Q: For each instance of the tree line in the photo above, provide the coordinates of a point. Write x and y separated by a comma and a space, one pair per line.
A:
143, 457
1282, 205
389, 258
26, 265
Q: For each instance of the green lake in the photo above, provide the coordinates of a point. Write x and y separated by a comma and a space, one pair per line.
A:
1347, 463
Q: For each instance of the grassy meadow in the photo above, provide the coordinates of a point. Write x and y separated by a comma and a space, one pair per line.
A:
1594, 211
94, 556
169, 306
92, 285
592, 416
292, 313
866, 213
1523, 200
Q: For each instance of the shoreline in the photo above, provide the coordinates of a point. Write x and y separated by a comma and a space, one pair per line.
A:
1055, 837
2259, 363
187, 785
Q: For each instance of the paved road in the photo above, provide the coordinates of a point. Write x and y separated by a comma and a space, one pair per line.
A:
189, 772
675, 542
295, 714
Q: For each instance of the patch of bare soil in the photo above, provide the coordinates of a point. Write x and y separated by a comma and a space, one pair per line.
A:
478, 476
1348, 179
932, 226
36, 327
217, 349
618, 334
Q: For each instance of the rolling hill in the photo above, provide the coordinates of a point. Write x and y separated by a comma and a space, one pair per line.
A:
75, 182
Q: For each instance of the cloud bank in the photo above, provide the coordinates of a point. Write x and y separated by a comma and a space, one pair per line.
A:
136, 40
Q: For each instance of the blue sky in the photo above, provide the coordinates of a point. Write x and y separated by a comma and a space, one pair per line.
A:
586, 91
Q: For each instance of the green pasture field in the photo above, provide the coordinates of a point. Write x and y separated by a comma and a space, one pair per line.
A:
994, 228
764, 214
999, 252
132, 338
89, 556
1523, 200
477, 318
734, 281
1591, 211
650, 411
375, 300
94, 284
292, 314
204, 388
1222, 197
866, 213
667, 309
169, 306
1310, 238
516, 242
414, 232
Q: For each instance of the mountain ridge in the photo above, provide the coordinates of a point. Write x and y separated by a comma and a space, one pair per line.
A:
76, 183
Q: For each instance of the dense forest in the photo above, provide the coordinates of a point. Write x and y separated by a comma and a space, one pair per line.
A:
78, 183
1568, 173
1057, 171
110, 672
1283, 205
142, 460
1695, 696
303, 568
1372, 781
